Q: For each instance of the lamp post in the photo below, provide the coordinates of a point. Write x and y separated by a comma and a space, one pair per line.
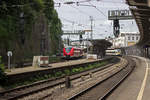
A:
22, 36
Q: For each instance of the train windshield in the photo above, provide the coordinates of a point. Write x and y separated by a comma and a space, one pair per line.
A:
68, 49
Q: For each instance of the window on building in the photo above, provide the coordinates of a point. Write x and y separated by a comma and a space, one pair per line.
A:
128, 38
137, 38
132, 38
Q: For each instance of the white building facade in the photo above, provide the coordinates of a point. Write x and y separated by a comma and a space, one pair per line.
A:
126, 39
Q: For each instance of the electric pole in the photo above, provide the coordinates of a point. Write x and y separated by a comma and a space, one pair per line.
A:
91, 19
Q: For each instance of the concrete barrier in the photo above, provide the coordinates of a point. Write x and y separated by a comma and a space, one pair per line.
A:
40, 61
92, 56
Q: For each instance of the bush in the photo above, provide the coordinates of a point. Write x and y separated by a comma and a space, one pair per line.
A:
57, 74
2, 74
67, 72
2, 68
74, 70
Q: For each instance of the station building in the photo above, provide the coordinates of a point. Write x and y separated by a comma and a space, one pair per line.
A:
126, 39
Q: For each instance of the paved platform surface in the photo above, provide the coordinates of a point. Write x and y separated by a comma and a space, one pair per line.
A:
54, 65
137, 85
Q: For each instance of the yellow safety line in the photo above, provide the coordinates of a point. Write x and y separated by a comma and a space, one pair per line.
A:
140, 95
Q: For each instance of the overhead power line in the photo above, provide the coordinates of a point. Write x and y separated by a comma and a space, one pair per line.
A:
98, 9
113, 2
79, 24
67, 20
80, 11
123, 2
84, 1
22, 5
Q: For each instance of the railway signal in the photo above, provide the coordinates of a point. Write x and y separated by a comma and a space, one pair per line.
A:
116, 27
80, 38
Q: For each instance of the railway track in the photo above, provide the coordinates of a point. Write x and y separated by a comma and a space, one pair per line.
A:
62, 94
102, 89
43, 85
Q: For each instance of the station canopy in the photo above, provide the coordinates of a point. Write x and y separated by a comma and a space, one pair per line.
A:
141, 12
101, 43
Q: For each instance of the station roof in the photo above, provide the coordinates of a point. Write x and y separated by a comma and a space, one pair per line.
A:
101, 43
141, 13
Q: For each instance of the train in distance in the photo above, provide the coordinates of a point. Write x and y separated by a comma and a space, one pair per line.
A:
113, 52
71, 52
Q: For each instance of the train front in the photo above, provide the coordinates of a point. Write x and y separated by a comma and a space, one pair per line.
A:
68, 52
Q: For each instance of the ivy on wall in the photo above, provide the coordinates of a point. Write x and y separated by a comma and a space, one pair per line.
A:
10, 19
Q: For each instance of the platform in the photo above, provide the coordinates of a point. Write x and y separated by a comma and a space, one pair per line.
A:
137, 85
54, 65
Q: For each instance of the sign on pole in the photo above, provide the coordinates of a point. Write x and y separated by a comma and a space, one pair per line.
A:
120, 14
9, 54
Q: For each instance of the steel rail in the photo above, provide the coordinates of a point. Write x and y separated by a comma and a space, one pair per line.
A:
101, 72
119, 82
74, 97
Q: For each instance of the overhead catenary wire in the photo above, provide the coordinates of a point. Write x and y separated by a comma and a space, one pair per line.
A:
73, 22
89, 1
68, 20
27, 4
22, 5
98, 9
86, 5
84, 1
83, 25
80, 10
113, 2
79, 24
122, 2
83, 12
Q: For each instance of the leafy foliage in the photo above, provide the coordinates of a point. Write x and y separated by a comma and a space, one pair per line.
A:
11, 25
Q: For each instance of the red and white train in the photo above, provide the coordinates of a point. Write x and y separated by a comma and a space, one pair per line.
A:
72, 52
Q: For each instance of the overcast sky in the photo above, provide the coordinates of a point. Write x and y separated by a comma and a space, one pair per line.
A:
75, 17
